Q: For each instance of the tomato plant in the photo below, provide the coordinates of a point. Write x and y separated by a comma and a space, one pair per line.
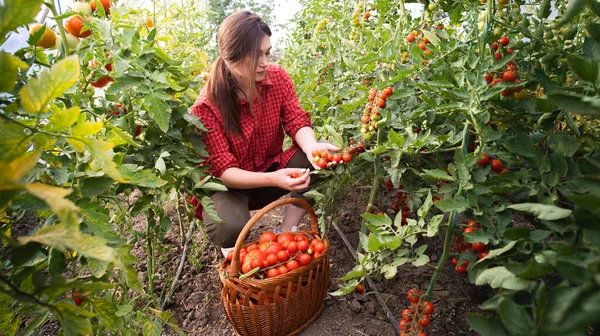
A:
491, 116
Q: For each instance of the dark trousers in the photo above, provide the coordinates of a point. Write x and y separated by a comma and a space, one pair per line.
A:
233, 206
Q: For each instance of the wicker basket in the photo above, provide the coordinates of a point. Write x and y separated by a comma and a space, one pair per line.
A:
284, 305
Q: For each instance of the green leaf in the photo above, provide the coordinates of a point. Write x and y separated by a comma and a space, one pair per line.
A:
86, 129
350, 63
544, 10
131, 174
124, 310
56, 263
542, 211
586, 69
451, 204
15, 13
106, 311
497, 252
14, 171
63, 119
377, 220
9, 66
434, 225
208, 206
50, 84
577, 103
591, 48
158, 110
574, 7
142, 205
72, 324
195, 121
97, 267
94, 186
437, 174
373, 243
515, 318
357, 272
395, 138
500, 277
485, 326
334, 137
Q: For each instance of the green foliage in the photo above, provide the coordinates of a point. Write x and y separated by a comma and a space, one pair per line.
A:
544, 129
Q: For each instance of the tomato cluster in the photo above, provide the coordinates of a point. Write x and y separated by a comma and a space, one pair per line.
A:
325, 159
358, 10
460, 245
77, 298
509, 75
416, 318
274, 255
497, 166
372, 112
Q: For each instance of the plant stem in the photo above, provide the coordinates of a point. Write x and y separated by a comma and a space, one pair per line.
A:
61, 29
150, 261
179, 215
450, 230
374, 188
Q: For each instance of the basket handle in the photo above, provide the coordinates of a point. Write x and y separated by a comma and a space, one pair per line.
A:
235, 263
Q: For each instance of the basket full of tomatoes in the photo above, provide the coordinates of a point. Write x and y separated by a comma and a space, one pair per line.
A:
277, 285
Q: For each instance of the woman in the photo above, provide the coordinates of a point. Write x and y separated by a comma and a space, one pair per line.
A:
246, 106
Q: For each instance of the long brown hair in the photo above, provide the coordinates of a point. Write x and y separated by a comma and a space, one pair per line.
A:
239, 36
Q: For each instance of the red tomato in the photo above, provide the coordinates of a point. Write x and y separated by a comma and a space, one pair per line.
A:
254, 263
484, 160
246, 268
273, 248
337, 158
252, 247
319, 247
78, 299
101, 82
407, 314
292, 247
317, 254
468, 230
282, 269
322, 164
488, 78
454, 262
410, 38
478, 247
509, 76
498, 56
272, 259
305, 259
504, 41
230, 255
292, 265
473, 224
360, 288
105, 4
424, 321
388, 91
414, 295
300, 238
428, 308
283, 255
346, 157
266, 237
483, 254
303, 246
497, 166
286, 236
273, 272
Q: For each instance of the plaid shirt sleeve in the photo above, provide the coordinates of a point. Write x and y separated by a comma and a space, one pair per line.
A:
293, 116
220, 156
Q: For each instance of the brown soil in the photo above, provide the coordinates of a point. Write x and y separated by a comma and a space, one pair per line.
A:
196, 302
196, 305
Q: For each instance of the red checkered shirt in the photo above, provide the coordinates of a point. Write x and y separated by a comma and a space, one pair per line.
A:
262, 144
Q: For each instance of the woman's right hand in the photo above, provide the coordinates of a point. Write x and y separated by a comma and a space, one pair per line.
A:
291, 178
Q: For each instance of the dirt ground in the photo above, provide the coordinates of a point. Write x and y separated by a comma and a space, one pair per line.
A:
197, 308
196, 301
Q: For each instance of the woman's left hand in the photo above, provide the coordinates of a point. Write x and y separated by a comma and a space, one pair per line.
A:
320, 146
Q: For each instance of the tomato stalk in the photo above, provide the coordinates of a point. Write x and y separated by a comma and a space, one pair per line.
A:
374, 187
150, 247
61, 29
450, 230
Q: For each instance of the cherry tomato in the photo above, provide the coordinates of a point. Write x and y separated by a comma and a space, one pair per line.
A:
292, 265
305, 259
322, 164
484, 160
424, 321
428, 308
509, 76
303, 246
504, 41
283, 269
292, 247
283, 255
286, 236
273, 272
272, 259
266, 237
478, 247
414, 295
320, 247
360, 288
497, 166
346, 157
461, 269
